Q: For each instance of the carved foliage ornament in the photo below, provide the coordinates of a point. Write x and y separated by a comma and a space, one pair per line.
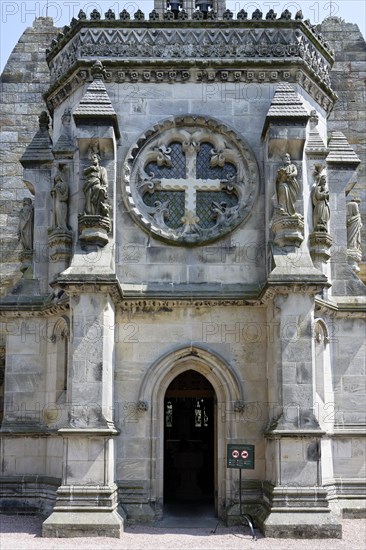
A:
190, 180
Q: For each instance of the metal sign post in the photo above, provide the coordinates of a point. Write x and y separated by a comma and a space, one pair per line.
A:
241, 457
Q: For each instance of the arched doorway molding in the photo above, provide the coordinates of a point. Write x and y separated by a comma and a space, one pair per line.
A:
228, 390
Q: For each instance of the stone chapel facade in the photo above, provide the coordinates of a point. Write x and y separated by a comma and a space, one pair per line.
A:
189, 258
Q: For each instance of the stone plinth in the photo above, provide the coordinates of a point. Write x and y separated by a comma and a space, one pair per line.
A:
83, 524
87, 500
94, 229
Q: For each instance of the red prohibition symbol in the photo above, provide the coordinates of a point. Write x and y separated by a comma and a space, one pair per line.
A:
235, 453
244, 454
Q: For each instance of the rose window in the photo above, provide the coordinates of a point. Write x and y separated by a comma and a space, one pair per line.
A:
190, 180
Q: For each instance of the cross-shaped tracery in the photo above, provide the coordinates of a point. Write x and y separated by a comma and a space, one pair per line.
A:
191, 184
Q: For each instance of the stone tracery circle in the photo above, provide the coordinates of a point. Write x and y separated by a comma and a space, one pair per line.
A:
152, 200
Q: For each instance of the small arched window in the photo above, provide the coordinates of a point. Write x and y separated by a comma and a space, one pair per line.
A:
60, 338
2, 381
323, 376
321, 340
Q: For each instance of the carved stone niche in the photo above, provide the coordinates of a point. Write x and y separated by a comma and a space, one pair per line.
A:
95, 223
287, 224
354, 225
59, 234
319, 239
190, 180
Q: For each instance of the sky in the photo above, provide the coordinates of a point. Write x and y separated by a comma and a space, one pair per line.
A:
17, 15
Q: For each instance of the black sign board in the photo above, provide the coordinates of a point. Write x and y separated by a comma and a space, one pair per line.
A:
240, 456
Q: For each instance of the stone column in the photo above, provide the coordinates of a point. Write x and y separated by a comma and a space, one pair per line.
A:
294, 494
87, 500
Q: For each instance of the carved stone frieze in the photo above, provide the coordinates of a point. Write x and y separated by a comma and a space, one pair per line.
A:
133, 307
191, 43
272, 291
190, 180
183, 43
60, 91
340, 310
47, 309
90, 285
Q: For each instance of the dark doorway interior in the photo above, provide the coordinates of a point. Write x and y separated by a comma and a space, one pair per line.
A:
189, 448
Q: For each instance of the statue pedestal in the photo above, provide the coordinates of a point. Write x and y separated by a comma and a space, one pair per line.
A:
60, 244
354, 257
188, 462
320, 243
288, 230
26, 258
94, 229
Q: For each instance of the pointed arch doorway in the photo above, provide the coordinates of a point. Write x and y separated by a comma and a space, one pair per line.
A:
190, 446
227, 388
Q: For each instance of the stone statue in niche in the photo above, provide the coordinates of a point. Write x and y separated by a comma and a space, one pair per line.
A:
60, 196
287, 224
96, 188
26, 225
287, 188
320, 198
354, 226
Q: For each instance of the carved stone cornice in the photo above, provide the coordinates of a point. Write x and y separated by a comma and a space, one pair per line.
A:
272, 290
133, 307
161, 52
162, 71
347, 430
344, 310
82, 30
42, 307
143, 306
75, 285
